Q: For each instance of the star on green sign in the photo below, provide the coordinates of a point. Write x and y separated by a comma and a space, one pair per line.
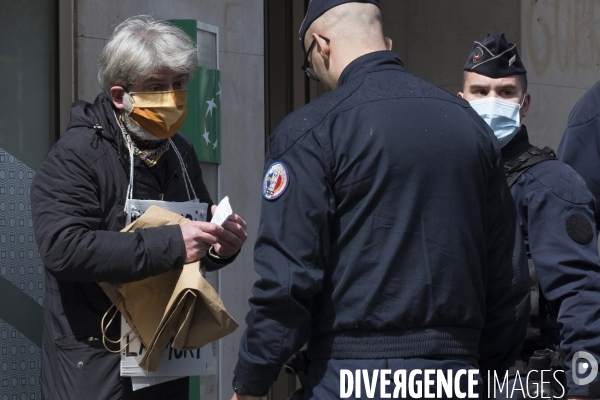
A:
203, 123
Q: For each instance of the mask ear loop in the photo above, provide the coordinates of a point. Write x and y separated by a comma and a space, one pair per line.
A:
521, 106
186, 177
523, 102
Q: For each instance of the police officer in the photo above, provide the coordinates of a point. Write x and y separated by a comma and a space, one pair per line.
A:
383, 240
556, 214
580, 145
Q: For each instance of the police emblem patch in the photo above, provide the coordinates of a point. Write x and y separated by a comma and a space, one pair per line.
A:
276, 181
478, 55
579, 228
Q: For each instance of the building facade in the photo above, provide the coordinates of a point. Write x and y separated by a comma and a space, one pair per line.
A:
49, 56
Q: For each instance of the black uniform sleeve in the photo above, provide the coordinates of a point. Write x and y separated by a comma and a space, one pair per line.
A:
580, 149
289, 255
564, 249
66, 215
507, 298
580, 145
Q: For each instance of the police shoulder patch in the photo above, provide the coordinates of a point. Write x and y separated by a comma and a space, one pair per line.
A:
580, 229
276, 181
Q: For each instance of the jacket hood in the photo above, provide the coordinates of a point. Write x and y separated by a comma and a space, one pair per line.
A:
98, 116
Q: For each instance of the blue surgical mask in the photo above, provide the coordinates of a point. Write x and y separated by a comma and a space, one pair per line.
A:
501, 115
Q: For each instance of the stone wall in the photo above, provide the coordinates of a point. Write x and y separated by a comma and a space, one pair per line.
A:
434, 38
561, 51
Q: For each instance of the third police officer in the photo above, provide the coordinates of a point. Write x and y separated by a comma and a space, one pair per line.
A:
556, 215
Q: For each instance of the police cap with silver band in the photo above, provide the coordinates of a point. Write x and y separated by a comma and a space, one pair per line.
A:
316, 8
495, 58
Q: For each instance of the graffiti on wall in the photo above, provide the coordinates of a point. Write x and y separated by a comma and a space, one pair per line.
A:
562, 35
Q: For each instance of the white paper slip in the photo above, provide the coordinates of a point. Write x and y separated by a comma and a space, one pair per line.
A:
222, 212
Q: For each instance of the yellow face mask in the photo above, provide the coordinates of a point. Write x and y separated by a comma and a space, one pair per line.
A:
159, 113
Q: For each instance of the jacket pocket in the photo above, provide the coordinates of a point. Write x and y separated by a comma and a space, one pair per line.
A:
85, 370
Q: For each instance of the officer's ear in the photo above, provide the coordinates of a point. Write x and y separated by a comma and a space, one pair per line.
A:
322, 47
116, 94
388, 43
525, 106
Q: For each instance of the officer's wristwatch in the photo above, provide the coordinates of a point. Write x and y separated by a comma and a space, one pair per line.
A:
239, 388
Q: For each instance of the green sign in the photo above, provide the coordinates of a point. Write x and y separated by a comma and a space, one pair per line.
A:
194, 393
203, 122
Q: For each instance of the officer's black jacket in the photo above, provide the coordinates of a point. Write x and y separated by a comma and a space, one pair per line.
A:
580, 144
77, 201
395, 236
556, 215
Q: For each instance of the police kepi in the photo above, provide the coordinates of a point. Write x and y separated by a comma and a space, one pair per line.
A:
495, 57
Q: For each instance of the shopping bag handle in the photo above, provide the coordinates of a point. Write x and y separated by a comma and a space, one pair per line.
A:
105, 328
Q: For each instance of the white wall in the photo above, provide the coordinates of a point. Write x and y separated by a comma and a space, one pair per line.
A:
561, 51
241, 27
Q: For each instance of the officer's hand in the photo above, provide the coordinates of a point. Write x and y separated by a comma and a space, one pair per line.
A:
238, 397
231, 240
198, 237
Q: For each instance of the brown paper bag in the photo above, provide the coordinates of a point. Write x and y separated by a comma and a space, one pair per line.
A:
179, 304
193, 303
164, 333
209, 307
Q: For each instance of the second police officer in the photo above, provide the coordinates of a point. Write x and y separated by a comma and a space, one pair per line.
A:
556, 215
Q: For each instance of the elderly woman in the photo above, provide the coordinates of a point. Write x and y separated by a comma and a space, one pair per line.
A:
124, 145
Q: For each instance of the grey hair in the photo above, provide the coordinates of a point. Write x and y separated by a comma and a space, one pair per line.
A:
141, 45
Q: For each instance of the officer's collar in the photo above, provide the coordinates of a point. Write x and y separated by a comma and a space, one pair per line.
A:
517, 146
376, 61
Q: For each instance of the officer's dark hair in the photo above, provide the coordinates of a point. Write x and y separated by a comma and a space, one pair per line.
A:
522, 79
